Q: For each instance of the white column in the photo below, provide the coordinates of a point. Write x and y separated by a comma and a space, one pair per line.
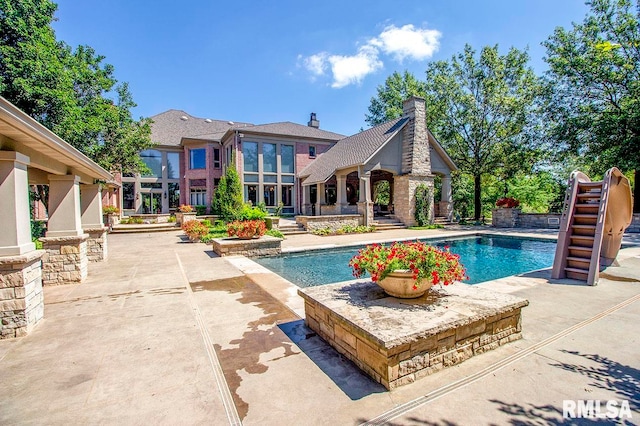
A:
320, 199
447, 196
91, 206
305, 200
341, 188
15, 237
64, 206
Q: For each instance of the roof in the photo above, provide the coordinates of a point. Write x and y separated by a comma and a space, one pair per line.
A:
171, 126
46, 150
352, 151
287, 128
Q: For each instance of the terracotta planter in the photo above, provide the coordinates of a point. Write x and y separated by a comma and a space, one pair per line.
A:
400, 284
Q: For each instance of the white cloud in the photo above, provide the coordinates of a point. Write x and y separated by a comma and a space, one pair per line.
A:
352, 69
408, 42
400, 43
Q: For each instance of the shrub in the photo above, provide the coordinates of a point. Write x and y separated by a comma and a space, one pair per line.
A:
246, 228
251, 213
275, 233
507, 202
424, 198
185, 208
195, 229
172, 219
109, 209
227, 198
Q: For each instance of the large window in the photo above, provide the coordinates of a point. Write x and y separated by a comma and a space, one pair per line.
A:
173, 165
287, 195
153, 160
269, 160
251, 194
216, 158
198, 158
286, 159
270, 195
250, 154
128, 196
174, 195
198, 197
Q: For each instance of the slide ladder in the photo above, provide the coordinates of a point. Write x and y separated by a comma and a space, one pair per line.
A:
594, 218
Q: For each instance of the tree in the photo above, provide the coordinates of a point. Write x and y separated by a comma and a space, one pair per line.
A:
387, 105
227, 199
481, 110
71, 92
594, 104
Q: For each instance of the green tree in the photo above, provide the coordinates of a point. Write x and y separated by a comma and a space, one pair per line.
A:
481, 109
594, 104
387, 105
227, 199
72, 92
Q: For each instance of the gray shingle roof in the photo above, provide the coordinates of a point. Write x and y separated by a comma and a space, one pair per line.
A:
170, 127
287, 128
351, 151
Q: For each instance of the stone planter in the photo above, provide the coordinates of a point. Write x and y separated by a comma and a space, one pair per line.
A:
400, 284
272, 222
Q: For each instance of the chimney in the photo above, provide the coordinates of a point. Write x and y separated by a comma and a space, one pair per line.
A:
416, 156
313, 122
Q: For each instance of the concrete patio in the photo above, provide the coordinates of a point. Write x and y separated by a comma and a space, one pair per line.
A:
165, 332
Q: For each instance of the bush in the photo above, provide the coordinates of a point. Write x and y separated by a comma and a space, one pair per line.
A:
195, 229
227, 198
424, 198
201, 210
185, 208
251, 213
275, 233
246, 228
108, 209
172, 219
507, 202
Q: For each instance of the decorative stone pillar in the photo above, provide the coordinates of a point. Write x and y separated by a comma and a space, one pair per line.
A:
15, 238
341, 189
65, 243
405, 197
446, 200
306, 200
365, 205
91, 206
320, 198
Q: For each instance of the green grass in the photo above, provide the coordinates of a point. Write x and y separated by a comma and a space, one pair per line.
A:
432, 226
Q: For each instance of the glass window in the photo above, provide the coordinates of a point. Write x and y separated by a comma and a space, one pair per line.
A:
330, 194
250, 154
128, 196
287, 195
153, 160
216, 158
251, 194
151, 185
312, 151
174, 195
198, 158
173, 165
270, 178
270, 195
286, 159
269, 161
197, 197
287, 179
250, 177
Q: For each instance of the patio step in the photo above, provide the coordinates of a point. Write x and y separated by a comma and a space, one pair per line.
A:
144, 227
385, 224
292, 229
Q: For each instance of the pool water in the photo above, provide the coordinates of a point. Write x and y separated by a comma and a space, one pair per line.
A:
485, 258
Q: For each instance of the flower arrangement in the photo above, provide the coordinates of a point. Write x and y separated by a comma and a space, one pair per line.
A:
109, 209
195, 229
424, 261
185, 208
246, 228
507, 202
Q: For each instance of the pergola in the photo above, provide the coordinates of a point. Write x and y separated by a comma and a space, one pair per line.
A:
30, 154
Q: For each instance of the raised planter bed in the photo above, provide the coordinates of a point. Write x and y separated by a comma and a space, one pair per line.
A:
258, 247
397, 341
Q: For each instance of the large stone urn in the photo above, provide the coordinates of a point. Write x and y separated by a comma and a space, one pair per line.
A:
401, 284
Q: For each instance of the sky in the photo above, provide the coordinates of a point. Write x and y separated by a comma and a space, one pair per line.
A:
270, 61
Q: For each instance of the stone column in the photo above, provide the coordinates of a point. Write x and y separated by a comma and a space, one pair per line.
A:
306, 200
365, 205
65, 243
341, 189
15, 238
91, 206
320, 199
446, 201
405, 197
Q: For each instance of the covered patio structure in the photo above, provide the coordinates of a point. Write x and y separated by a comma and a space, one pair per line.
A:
402, 152
30, 154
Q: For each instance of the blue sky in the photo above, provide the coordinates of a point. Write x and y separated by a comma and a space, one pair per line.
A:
268, 61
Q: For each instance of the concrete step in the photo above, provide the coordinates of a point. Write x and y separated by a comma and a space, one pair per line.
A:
144, 227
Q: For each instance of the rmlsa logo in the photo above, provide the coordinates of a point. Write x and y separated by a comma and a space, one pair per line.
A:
595, 409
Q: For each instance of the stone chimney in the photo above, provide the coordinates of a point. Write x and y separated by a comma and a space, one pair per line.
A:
415, 140
313, 122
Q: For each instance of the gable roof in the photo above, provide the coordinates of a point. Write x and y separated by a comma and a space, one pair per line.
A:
352, 151
287, 128
170, 127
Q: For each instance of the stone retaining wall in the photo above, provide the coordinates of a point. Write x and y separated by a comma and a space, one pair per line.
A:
263, 246
97, 244
514, 218
635, 224
333, 222
65, 260
21, 297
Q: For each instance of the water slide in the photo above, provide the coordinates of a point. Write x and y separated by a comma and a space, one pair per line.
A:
594, 218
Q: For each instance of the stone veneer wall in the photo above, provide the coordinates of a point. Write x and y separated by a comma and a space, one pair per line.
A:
505, 218
65, 260
263, 246
97, 244
514, 218
404, 188
21, 297
333, 222
635, 223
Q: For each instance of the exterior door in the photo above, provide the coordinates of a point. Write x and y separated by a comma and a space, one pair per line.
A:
152, 202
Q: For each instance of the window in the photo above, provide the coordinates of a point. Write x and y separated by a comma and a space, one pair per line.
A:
216, 158
287, 195
198, 158
153, 160
270, 178
151, 185
330, 194
174, 195
128, 196
270, 195
250, 155
173, 165
286, 159
312, 151
269, 160
251, 194
198, 197
250, 177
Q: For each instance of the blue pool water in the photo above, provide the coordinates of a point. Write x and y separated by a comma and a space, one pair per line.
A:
485, 258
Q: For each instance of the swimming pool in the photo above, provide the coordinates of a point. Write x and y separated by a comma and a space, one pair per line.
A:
485, 258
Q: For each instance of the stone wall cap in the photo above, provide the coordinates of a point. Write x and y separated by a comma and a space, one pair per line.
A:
69, 239
23, 258
330, 216
96, 229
